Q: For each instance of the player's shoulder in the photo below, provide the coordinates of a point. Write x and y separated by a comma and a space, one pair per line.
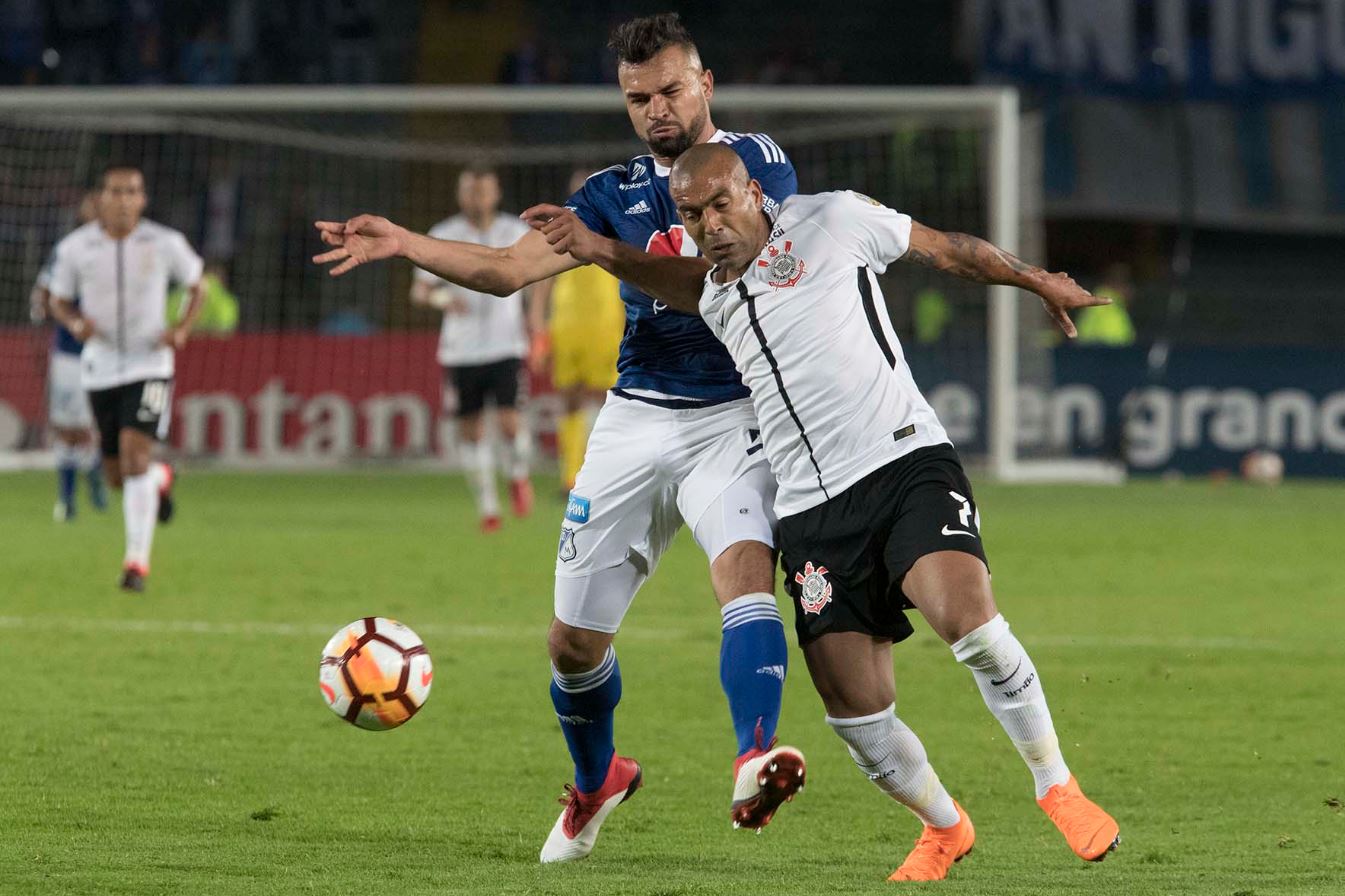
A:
753, 147
153, 231
510, 225
828, 206
635, 172
77, 239
448, 227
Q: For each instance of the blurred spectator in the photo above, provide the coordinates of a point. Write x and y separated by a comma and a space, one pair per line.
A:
208, 58
21, 41
1109, 324
353, 45
85, 38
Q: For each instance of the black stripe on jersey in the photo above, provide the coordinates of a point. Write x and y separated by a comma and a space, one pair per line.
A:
871, 312
779, 380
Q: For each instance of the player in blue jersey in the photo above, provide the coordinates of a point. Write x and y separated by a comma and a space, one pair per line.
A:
676, 442
68, 409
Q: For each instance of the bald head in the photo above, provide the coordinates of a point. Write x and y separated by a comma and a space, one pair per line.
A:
720, 205
708, 161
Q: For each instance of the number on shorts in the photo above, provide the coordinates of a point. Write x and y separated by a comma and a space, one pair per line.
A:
154, 398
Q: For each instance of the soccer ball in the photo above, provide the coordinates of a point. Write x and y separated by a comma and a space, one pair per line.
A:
1263, 467
375, 673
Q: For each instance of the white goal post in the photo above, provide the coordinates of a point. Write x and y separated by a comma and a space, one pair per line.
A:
308, 120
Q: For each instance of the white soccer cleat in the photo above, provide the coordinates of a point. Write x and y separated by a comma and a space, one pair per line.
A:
763, 782
574, 833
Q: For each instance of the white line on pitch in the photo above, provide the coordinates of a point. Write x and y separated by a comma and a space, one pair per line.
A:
634, 633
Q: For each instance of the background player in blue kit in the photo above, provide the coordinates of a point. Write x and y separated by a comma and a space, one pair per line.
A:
68, 411
676, 442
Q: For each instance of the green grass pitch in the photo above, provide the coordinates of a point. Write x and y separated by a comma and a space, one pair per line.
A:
1189, 638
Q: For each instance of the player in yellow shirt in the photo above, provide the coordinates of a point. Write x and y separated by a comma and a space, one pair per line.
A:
587, 320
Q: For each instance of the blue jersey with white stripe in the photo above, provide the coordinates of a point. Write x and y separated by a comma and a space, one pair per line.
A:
665, 351
62, 340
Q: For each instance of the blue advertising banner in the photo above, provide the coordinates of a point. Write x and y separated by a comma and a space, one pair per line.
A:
1212, 406
1204, 49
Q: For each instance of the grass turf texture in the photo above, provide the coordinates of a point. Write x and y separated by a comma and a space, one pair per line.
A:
1188, 638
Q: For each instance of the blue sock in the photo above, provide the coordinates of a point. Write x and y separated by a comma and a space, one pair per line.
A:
65, 476
585, 704
97, 489
752, 663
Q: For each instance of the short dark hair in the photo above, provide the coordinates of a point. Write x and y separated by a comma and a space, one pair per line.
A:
479, 168
118, 166
639, 40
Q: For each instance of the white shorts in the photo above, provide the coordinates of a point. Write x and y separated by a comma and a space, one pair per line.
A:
646, 471
67, 402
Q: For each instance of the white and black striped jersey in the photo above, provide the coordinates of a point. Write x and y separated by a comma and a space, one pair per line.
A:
809, 332
123, 290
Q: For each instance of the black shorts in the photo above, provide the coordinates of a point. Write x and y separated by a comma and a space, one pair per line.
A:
144, 405
468, 388
844, 560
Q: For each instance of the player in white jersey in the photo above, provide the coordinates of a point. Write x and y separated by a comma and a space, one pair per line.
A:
677, 447
122, 266
876, 515
481, 348
68, 409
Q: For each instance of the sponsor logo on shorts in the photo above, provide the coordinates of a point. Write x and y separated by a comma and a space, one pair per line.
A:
576, 509
815, 592
567, 551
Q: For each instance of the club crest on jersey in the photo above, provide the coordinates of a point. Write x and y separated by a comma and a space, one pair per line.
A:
815, 592
785, 268
567, 551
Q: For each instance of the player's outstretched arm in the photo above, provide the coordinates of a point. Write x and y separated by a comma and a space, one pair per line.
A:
675, 281
973, 258
502, 272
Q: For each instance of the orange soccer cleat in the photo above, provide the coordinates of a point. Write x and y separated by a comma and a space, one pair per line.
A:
937, 850
1088, 830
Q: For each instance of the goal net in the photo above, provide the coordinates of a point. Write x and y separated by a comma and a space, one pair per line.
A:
296, 368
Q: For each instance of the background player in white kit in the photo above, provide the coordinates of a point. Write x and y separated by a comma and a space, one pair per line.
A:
68, 409
481, 348
673, 444
122, 268
876, 515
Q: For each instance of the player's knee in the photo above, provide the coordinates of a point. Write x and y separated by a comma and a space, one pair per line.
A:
575, 650
744, 567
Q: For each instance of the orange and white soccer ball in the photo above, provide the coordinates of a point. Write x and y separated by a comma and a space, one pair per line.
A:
375, 673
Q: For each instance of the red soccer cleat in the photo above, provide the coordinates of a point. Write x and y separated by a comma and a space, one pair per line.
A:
490, 524
520, 494
575, 832
763, 781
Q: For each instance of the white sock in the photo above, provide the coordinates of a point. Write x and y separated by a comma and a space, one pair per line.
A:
1012, 691
140, 508
520, 454
479, 465
895, 760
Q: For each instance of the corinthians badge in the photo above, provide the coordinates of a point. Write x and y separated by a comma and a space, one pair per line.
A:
785, 268
815, 592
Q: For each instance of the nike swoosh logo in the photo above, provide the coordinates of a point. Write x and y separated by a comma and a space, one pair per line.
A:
425, 678
659, 306
947, 531
1010, 675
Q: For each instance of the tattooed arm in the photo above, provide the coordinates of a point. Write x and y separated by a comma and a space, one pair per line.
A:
972, 258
